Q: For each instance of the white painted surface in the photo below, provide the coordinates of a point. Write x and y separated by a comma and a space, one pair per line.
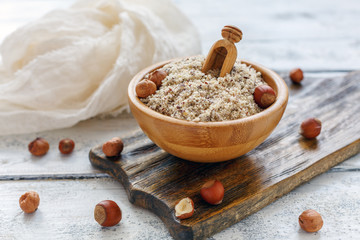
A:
281, 34
315, 35
66, 211
16, 161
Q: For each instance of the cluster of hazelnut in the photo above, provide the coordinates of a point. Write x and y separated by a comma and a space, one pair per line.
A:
147, 87
107, 213
311, 127
40, 146
310, 220
212, 192
264, 96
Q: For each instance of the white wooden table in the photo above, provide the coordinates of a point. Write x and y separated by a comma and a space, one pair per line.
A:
321, 37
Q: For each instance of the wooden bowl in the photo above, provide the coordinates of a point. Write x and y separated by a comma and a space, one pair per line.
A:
209, 141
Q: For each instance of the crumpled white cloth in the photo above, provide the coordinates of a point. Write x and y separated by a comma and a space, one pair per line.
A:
74, 64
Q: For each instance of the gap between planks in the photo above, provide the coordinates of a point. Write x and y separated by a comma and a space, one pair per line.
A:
80, 176
71, 176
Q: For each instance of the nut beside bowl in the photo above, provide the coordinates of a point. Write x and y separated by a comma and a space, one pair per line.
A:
209, 141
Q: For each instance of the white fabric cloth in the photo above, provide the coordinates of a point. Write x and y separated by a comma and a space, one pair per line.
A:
74, 64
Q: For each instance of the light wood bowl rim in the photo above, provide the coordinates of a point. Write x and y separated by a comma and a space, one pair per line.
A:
281, 99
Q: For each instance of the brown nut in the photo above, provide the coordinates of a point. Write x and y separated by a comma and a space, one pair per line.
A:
311, 221
107, 213
66, 146
39, 147
264, 96
184, 208
29, 202
157, 77
145, 88
296, 75
113, 147
212, 192
310, 128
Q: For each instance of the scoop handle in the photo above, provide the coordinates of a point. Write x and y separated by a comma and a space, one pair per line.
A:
223, 53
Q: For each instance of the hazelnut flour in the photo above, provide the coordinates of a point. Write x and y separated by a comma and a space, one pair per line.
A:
189, 94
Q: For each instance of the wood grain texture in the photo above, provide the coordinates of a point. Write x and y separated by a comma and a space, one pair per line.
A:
66, 211
17, 163
155, 180
209, 141
314, 35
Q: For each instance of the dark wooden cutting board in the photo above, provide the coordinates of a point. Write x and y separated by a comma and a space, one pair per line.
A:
156, 180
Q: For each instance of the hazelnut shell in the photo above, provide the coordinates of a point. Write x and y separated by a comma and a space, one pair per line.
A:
296, 75
113, 147
145, 88
310, 221
66, 146
157, 77
264, 96
310, 128
212, 192
107, 213
29, 202
39, 147
187, 214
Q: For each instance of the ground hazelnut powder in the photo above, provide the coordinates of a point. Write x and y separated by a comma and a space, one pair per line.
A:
189, 94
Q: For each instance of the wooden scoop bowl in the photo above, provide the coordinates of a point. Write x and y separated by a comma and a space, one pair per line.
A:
209, 141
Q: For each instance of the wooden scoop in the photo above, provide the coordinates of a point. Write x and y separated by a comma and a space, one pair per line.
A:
223, 53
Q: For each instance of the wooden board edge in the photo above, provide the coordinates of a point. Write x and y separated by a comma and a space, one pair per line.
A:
143, 199
255, 203
235, 211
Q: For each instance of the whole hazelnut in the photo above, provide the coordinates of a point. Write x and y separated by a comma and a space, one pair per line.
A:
184, 208
107, 213
29, 201
310, 128
296, 75
212, 192
264, 96
311, 221
66, 146
38, 147
113, 147
145, 88
157, 77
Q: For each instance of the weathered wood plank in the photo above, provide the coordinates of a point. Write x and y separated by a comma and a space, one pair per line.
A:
17, 163
278, 34
156, 180
282, 35
328, 40
66, 212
